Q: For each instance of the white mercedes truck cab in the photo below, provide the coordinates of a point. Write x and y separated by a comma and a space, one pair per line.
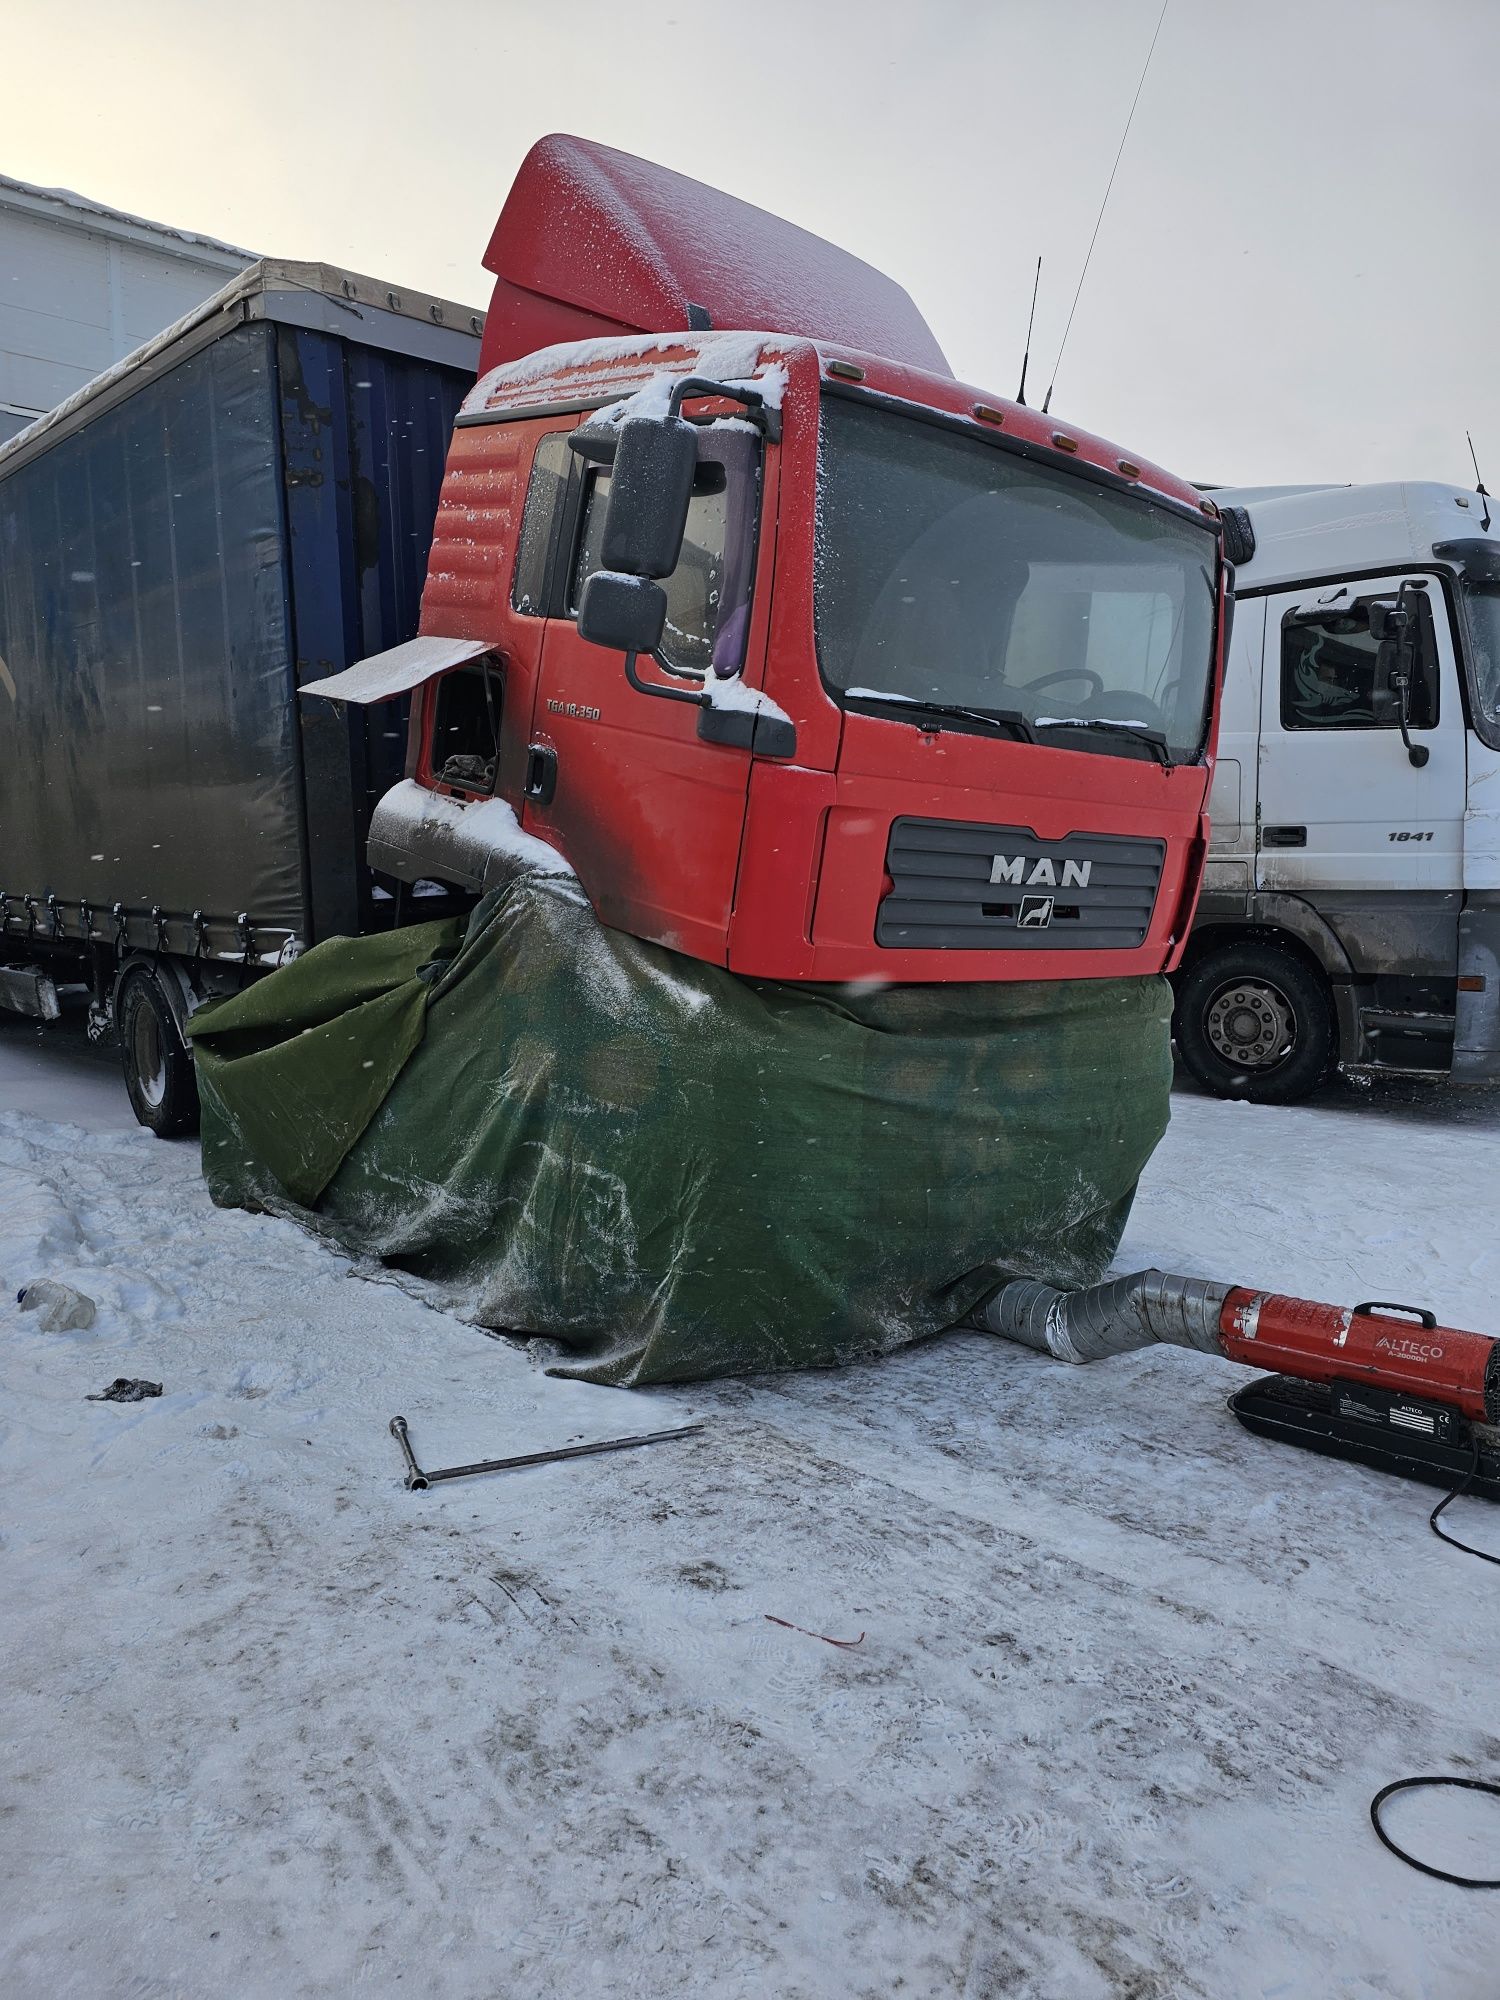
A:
1351, 903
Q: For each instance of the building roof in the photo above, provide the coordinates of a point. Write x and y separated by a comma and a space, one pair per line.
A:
63, 204
311, 295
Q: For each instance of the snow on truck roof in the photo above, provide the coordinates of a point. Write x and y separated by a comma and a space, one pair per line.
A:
580, 372
584, 374
314, 295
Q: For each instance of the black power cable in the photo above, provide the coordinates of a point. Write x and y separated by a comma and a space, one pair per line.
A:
1462, 1487
1464, 1784
1458, 1784
1416, 1784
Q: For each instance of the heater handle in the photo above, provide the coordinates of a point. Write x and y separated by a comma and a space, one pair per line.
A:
1429, 1320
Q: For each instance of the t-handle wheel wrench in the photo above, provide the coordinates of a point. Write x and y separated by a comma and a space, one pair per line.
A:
417, 1481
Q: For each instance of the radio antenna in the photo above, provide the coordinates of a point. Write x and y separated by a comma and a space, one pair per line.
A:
1047, 400
1026, 357
1484, 526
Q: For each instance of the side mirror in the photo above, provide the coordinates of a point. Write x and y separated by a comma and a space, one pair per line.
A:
651, 483
1405, 628
626, 613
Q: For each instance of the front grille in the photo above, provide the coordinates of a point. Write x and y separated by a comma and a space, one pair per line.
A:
1100, 897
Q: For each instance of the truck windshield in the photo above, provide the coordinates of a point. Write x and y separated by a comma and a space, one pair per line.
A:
1482, 603
954, 574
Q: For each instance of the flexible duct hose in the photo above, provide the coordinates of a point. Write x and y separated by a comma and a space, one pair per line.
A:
1105, 1319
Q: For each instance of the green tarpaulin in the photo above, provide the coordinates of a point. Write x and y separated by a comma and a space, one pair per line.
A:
671, 1171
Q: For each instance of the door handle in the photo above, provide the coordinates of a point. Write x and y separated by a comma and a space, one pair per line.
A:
1283, 836
541, 774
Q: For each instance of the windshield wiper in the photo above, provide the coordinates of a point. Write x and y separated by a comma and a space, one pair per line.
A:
1006, 718
1153, 738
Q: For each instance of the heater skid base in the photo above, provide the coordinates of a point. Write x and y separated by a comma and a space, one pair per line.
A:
1392, 1433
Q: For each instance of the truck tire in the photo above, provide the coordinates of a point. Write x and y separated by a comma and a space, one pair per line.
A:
158, 1068
1255, 1021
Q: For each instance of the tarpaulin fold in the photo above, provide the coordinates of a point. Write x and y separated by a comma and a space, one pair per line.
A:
297, 1066
670, 1171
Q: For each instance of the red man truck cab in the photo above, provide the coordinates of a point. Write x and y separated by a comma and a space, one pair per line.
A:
813, 663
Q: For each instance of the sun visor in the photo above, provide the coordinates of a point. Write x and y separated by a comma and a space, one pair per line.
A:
385, 675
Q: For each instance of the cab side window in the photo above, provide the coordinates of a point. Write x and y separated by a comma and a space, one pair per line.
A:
695, 589
708, 594
542, 524
1335, 674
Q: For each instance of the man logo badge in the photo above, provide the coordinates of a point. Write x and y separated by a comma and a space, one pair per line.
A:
1043, 872
1035, 913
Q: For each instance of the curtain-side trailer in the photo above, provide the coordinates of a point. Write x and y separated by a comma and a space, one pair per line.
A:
244, 504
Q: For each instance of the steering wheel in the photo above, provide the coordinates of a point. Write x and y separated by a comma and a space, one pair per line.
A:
1066, 674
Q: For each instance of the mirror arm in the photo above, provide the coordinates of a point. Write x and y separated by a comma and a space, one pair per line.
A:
693, 674
741, 729
662, 693
1418, 753
751, 401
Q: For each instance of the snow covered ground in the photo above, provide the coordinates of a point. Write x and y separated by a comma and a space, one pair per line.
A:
1128, 1676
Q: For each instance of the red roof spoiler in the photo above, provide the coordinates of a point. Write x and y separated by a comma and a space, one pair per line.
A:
593, 242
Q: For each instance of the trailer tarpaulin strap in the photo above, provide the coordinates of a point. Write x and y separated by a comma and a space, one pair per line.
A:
670, 1171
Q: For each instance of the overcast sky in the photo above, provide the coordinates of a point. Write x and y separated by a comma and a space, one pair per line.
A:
1296, 278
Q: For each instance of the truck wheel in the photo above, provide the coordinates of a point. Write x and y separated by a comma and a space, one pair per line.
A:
1253, 1021
158, 1069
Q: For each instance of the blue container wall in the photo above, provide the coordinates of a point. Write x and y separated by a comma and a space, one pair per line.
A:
364, 441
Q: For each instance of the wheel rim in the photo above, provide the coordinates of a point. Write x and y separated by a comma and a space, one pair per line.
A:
148, 1057
1251, 1024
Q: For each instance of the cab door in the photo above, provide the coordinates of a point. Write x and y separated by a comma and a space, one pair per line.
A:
1346, 820
1231, 800
649, 813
